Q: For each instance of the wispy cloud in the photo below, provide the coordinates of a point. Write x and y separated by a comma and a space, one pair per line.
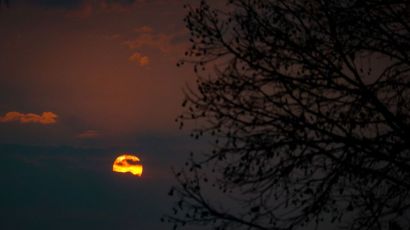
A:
88, 134
147, 37
144, 29
139, 58
45, 118
87, 8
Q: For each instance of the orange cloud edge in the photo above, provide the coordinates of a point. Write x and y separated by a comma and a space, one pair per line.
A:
45, 118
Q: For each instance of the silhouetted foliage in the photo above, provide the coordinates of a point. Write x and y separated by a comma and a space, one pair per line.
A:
308, 102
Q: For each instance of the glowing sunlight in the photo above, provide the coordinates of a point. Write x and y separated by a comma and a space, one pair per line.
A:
127, 163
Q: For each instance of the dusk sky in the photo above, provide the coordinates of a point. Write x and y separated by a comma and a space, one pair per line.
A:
82, 81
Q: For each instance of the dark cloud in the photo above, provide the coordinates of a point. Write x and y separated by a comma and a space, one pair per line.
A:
72, 4
65, 4
74, 188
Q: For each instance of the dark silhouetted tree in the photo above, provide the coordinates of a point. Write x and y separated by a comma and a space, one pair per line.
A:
308, 103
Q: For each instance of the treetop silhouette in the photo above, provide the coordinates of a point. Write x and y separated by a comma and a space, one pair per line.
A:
308, 104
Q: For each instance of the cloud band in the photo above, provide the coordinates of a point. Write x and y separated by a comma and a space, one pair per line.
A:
45, 118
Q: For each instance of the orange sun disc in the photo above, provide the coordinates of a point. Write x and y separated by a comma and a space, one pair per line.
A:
127, 164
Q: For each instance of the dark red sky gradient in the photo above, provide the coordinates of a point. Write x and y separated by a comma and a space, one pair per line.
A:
82, 61
82, 81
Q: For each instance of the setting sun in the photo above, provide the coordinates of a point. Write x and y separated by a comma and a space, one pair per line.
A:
127, 163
